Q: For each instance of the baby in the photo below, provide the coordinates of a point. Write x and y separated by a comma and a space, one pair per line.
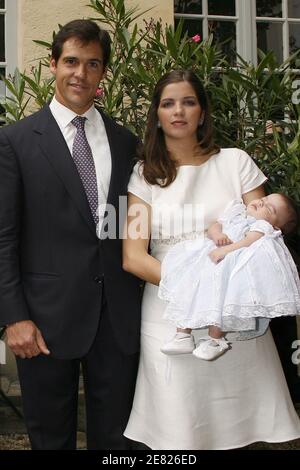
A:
241, 272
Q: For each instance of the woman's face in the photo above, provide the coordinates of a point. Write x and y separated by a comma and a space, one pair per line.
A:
179, 111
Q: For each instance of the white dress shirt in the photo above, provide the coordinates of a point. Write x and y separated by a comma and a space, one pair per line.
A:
98, 141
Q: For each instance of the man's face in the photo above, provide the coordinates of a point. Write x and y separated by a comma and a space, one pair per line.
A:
78, 72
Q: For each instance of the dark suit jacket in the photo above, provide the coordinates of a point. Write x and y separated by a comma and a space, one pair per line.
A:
51, 262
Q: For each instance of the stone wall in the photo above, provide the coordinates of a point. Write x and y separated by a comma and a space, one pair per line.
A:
39, 18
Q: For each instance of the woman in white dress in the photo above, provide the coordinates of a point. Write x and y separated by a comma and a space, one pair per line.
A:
182, 185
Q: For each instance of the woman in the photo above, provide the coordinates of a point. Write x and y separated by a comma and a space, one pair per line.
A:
181, 402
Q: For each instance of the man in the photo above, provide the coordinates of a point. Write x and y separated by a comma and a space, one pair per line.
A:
63, 295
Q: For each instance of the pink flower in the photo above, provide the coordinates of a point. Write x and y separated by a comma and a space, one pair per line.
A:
196, 38
99, 92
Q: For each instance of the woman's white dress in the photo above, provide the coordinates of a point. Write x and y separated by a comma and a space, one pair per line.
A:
258, 281
182, 402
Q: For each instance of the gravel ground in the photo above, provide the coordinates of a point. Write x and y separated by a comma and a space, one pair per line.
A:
13, 435
14, 442
21, 441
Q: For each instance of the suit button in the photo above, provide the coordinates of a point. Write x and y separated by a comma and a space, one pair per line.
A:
98, 279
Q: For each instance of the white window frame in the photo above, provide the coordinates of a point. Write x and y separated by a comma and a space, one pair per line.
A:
11, 28
245, 19
284, 20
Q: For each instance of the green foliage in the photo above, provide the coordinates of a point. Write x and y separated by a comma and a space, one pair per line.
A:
244, 99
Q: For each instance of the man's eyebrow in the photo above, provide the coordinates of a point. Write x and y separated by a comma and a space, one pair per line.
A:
69, 57
76, 58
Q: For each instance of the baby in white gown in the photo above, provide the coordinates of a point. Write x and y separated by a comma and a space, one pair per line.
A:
241, 272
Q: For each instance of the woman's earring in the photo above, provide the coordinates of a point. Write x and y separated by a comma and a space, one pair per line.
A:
158, 124
201, 121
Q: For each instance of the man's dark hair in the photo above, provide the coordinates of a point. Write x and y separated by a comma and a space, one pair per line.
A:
84, 30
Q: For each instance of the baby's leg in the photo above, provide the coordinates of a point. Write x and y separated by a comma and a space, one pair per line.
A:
215, 332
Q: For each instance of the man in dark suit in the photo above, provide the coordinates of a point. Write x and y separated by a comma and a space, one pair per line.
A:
63, 294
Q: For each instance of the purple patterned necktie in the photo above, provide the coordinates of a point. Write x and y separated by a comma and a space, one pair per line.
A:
83, 158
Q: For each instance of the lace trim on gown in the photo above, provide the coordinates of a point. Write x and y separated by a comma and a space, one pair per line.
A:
234, 317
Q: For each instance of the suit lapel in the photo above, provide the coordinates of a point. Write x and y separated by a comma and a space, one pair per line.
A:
54, 147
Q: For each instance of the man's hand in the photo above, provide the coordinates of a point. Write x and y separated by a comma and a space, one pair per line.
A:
217, 255
221, 239
25, 339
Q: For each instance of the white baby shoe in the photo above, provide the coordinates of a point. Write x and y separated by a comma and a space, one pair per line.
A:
182, 343
211, 348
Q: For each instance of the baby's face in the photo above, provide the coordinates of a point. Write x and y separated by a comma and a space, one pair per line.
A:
271, 208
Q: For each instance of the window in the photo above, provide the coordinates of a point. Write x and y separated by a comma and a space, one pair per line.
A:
8, 39
210, 16
278, 26
245, 24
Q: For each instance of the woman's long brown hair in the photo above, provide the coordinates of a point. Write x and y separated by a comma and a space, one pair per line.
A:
158, 165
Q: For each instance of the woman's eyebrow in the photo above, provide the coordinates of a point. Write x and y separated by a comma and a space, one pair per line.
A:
183, 98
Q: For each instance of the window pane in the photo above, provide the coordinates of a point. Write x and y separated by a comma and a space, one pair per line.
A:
269, 37
221, 7
2, 90
269, 8
2, 86
2, 48
188, 6
294, 41
296, 94
224, 31
294, 9
2, 3
193, 27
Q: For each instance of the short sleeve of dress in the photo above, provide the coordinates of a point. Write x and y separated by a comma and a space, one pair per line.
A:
250, 175
138, 186
262, 226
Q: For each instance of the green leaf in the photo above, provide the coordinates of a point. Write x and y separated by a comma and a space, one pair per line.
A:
48, 45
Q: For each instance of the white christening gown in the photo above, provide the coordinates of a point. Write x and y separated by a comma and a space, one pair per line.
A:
258, 281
